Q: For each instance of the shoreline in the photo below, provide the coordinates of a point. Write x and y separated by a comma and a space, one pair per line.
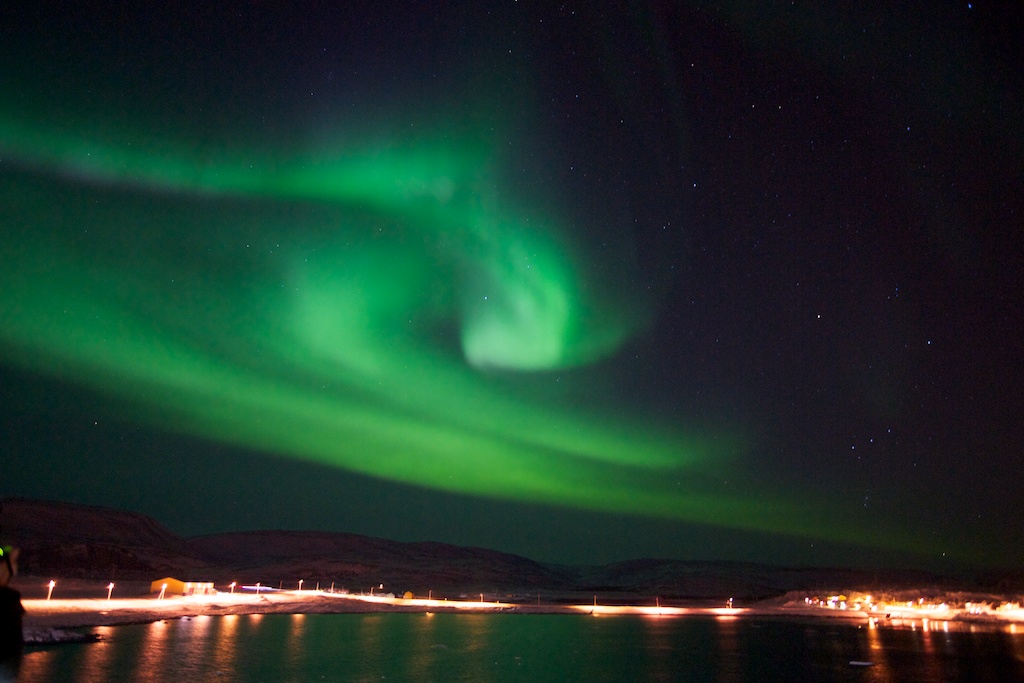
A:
44, 615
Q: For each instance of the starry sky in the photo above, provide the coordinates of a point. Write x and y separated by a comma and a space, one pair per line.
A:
581, 281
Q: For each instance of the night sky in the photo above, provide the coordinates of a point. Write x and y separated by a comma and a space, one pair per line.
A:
581, 281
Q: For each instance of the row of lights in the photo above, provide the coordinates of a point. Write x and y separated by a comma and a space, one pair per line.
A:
53, 584
163, 589
259, 585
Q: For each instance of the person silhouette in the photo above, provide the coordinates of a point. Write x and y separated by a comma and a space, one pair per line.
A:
12, 639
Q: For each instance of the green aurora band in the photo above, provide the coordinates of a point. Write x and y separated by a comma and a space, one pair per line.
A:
383, 309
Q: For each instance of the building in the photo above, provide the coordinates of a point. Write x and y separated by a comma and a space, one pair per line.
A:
171, 586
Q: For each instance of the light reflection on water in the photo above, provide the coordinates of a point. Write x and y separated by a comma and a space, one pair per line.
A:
730, 662
223, 642
881, 672
153, 649
97, 662
1018, 642
295, 651
423, 645
513, 647
931, 649
37, 665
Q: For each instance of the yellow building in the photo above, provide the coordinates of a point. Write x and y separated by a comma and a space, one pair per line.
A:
171, 586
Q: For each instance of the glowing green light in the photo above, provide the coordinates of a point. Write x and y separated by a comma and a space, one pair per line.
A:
370, 309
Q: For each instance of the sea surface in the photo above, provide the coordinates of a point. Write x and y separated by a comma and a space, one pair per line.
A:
529, 647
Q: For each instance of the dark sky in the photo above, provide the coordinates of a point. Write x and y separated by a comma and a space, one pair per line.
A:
584, 282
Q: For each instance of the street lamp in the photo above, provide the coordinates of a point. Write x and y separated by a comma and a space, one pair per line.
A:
232, 586
49, 587
300, 584
110, 589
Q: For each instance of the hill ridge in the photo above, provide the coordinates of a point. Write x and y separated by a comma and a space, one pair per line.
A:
88, 541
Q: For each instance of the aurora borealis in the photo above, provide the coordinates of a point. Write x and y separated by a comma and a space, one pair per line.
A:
512, 264
338, 336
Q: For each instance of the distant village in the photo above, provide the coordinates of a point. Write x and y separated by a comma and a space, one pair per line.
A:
938, 608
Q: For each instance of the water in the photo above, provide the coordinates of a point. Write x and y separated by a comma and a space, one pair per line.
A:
525, 647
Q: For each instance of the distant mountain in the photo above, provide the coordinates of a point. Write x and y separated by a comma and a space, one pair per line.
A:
360, 562
78, 541
695, 580
82, 541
